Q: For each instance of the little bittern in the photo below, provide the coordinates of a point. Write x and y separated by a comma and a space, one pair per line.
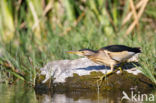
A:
109, 55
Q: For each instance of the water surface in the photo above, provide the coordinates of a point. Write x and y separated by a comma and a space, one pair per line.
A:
20, 93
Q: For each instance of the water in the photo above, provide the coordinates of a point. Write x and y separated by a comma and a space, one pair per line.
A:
24, 94
17, 94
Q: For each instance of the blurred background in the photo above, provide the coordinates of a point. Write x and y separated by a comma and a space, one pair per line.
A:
34, 32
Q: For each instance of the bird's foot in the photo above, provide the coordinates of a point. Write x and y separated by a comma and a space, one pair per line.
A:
101, 78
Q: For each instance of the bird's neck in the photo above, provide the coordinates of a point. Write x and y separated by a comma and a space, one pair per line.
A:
91, 56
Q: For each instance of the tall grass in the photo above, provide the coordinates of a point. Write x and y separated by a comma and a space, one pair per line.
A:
148, 65
38, 27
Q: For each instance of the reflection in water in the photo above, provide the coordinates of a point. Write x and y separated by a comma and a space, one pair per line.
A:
21, 94
62, 98
17, 94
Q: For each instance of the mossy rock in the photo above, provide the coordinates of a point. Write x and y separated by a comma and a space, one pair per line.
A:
82, 74
123, 81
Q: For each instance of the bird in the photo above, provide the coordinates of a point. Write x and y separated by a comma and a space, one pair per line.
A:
109, 55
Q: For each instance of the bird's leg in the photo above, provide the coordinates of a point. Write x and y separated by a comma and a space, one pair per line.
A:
121, 67
112, 69
111, 72
105, 75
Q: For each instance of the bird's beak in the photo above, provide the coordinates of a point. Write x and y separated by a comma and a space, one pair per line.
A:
75, 52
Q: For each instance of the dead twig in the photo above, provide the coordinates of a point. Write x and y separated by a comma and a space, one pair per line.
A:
134, 12
131, 27
129, 15
48, 7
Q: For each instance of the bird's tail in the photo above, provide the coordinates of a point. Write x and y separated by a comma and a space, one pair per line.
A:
137, 50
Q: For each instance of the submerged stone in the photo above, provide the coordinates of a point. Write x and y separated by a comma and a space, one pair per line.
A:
81, 74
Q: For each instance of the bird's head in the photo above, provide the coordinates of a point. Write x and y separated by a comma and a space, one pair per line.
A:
83, 52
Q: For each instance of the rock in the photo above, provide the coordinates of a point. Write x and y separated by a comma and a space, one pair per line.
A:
82, 73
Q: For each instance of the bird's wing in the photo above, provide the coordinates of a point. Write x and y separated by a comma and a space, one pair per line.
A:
121, 48
117, 48
120, 56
